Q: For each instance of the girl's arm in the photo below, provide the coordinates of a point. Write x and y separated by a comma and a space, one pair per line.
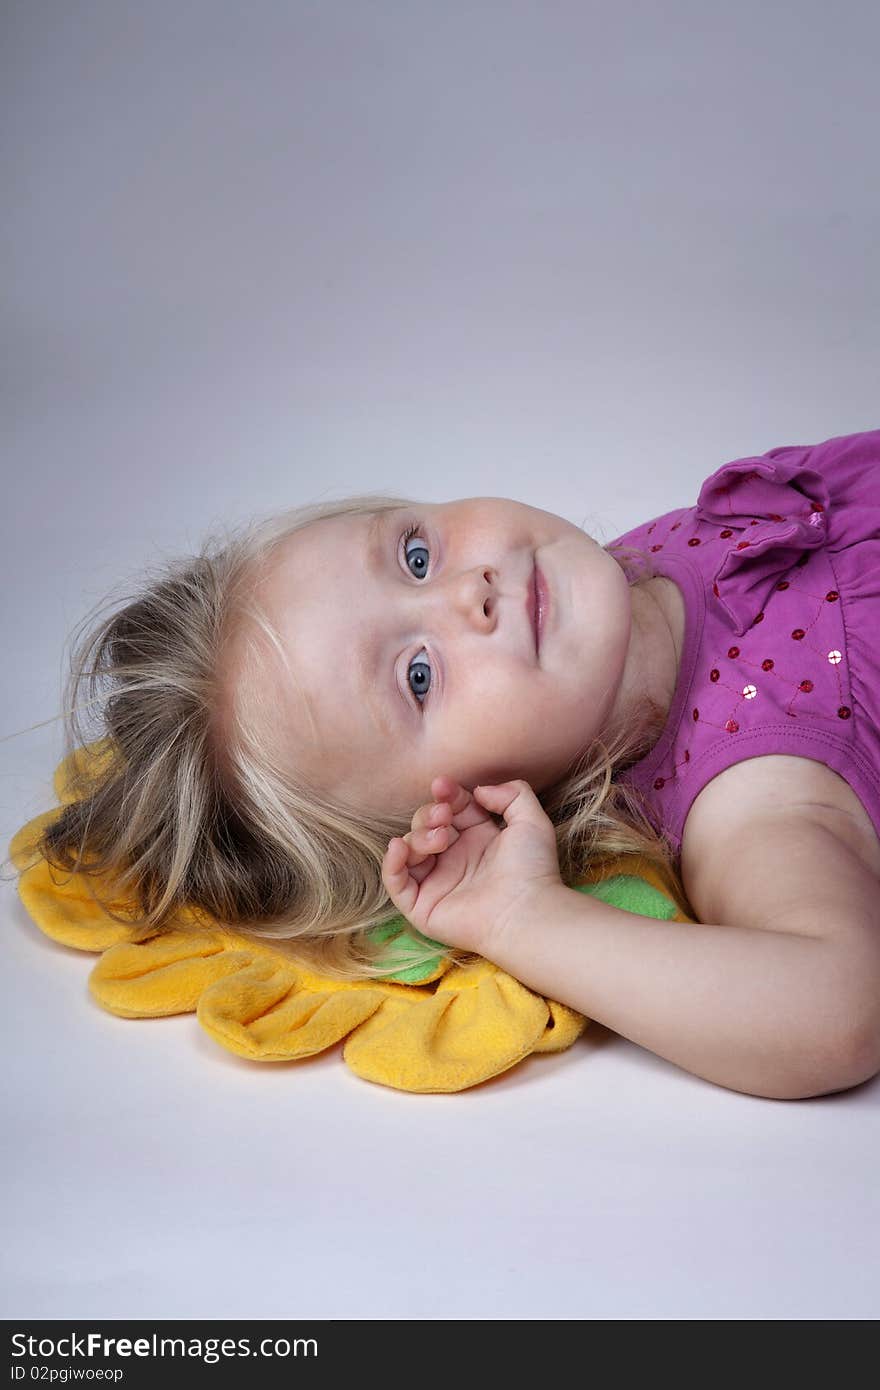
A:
765, 1012
782, 1001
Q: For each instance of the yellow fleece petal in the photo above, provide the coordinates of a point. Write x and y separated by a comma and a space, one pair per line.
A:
273, 1015
478, 1022
63, 908
564, 1026
165, 975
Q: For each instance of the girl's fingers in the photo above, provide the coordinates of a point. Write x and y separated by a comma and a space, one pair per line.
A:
450, 793
407, 851
452, 800
432, 813
403, 869
396, 875
446, 789
430, 839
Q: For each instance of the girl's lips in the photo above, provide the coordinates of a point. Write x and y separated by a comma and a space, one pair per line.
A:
537, 602
542, 595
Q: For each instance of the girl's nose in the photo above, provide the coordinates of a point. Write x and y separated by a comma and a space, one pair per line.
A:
469, 595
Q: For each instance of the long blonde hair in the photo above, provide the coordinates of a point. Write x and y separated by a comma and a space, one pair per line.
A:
174, 814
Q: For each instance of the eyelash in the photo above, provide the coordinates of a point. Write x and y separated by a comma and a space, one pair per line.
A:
411, 531
414, 530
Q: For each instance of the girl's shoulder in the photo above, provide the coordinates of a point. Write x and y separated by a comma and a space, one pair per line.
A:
782, 842
779, 686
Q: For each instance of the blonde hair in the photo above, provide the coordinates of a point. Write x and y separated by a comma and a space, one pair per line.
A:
181, 806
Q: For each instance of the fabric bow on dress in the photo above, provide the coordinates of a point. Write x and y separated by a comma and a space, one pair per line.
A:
773, 508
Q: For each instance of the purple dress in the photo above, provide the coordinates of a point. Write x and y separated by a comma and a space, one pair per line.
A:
779, 567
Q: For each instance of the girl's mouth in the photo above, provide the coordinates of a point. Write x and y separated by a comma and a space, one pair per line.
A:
537, 604
543, 599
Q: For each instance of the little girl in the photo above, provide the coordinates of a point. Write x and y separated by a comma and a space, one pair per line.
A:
449, 710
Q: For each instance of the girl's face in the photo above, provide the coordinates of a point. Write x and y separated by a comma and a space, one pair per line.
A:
414, 657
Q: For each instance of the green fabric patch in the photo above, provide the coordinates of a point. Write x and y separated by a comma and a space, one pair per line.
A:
626, 891
632, 894
405, 941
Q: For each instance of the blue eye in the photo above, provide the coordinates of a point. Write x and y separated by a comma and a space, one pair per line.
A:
414, 666
421, 689
415, 531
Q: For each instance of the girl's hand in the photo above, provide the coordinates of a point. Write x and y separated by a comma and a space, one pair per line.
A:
457, 876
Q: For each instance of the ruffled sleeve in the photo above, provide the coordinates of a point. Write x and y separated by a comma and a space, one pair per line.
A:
771, 509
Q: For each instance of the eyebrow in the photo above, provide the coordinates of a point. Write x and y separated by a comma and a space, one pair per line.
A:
370, 679
374, 543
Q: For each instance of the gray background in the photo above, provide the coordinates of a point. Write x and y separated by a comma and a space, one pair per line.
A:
578, 254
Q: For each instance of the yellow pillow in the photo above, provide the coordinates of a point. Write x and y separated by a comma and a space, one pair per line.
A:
456, 1027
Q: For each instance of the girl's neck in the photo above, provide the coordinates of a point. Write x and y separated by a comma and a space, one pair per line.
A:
653, 661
